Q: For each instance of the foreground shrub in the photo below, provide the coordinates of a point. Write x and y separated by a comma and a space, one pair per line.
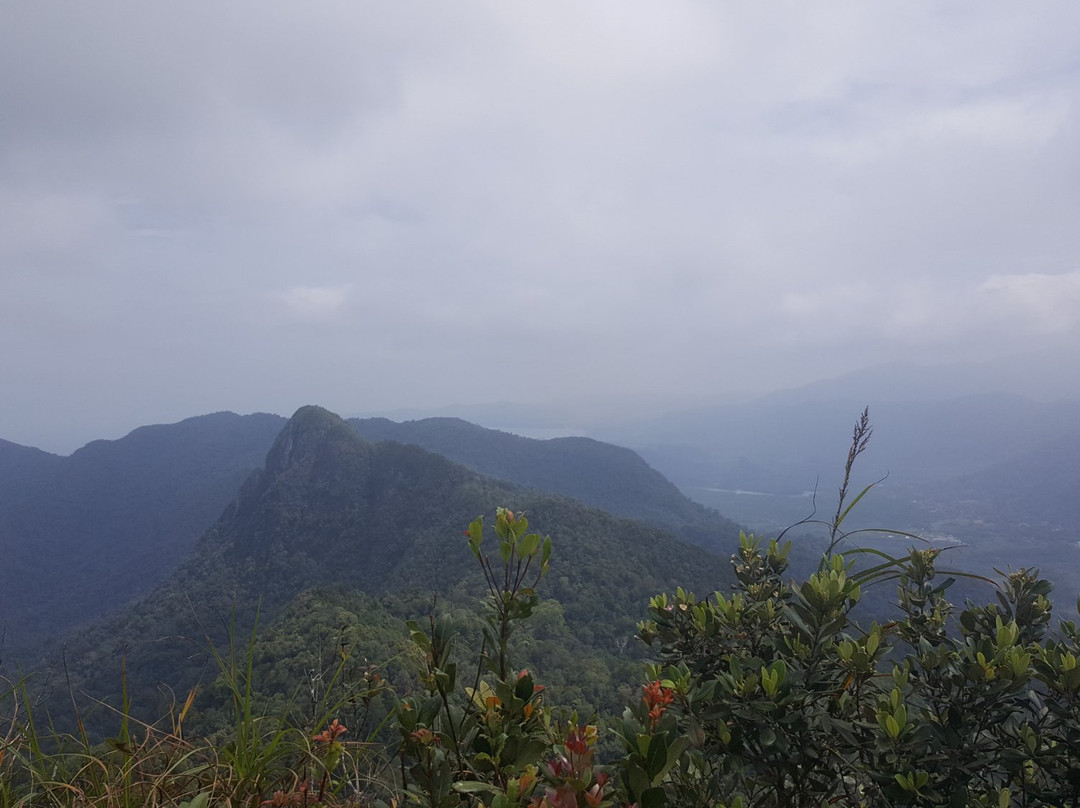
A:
493, 742
772, 695
783, 700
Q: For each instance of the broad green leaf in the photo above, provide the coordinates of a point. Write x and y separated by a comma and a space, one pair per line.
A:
528, 544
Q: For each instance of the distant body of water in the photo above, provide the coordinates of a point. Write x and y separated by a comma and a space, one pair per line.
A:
744, 492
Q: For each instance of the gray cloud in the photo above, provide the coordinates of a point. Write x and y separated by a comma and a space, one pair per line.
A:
256, 205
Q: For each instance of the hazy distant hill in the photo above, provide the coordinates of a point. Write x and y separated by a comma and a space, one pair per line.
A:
22, 467
996, 473
1022, 512
82, 535
1031, 486
909, 381
600, 474
330, 509
784, 444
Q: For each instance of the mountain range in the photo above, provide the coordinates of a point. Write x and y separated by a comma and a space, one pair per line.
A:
183, 530
331, 514
89, 533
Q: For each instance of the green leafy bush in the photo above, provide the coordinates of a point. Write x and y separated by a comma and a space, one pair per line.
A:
773, 694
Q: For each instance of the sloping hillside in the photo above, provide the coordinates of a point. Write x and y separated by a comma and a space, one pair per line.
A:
599, 474
82, 535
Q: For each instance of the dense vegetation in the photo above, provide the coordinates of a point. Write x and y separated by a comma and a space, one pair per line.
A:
770, 694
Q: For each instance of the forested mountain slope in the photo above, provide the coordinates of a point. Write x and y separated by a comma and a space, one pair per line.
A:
599, 474
82, 535
331, 512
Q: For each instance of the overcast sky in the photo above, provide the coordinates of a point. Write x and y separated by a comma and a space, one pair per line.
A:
611, 205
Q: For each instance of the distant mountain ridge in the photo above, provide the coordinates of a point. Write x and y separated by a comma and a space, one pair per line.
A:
600, 474
784, 445
23, 470
1038, 484
82, 535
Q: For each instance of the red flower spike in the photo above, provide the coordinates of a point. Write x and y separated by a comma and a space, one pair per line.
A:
656, 698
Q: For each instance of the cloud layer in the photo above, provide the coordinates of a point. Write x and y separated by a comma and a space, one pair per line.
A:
254, 205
